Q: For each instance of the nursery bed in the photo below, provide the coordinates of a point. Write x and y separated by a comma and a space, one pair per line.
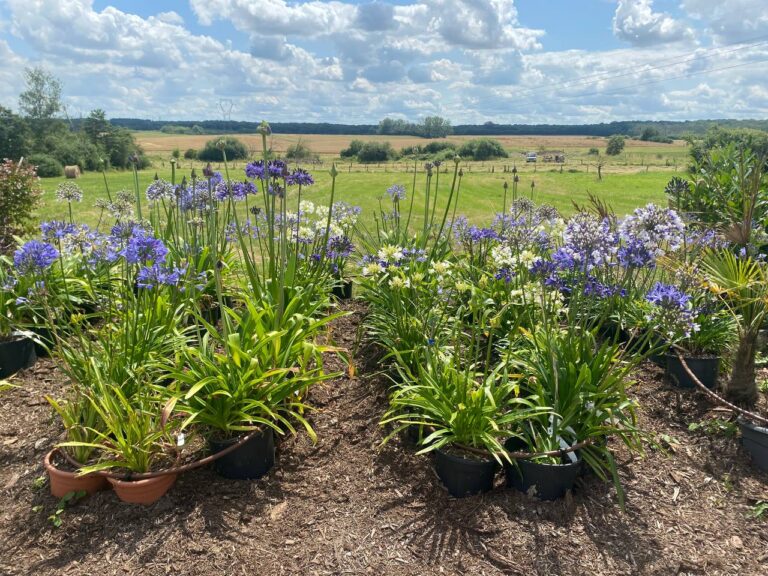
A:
349, 506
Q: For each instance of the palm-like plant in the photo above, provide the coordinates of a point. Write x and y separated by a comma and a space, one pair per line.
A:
742, 285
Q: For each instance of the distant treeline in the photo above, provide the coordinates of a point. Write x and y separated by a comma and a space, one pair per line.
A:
628, 128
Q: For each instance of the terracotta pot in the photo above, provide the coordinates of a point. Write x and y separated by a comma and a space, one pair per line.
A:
63, 482
147, 491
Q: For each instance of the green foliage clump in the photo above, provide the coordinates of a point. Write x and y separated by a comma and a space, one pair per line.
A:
47, 166
369, 151
482, 149
19, 196
615, 145
214, 149
190, 154
299, 151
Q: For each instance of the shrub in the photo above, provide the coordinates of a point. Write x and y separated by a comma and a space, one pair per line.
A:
299, 151
615, 145
190, 154
482, 149
594, 152
47, 166
19, 196
376, 152
234, 149
354, 149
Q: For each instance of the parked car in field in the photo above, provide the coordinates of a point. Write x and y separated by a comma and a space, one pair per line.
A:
530, 157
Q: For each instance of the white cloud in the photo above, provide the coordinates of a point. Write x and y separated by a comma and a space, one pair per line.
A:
731, 21
467, 60
637, 23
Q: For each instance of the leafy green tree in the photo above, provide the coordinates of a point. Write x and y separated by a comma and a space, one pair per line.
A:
96, 126
42, 98
20, 193
615, 145
434, 127
376, 152
14, 135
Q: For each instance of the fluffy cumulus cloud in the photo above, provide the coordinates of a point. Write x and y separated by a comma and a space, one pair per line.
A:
636, 22
345, 61
731, 21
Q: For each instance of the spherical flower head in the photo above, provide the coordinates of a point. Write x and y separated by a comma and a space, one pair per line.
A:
390, 253
34, 256
372, 269
69, 192
396, 192
56, 230
160, 189
668, 296
589, 240
299, 177
655, 227
143, 248
255, 170
340, 247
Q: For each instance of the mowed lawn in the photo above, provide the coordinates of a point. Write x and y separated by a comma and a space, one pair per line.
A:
480, 196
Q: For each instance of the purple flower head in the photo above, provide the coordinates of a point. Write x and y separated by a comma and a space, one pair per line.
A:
255, 170
396, 192
589, 240
595, 288
504, 274
157, 275
276, 190
668, 296
159, 190
340, 247
56, 230
277, 168
655, 227
542, 268
299, 177
143, 248
636, 254
234, 190
34, 256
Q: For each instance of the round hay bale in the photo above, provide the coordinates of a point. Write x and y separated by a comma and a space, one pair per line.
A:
72, 171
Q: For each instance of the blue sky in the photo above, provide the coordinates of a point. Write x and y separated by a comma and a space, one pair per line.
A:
352, 61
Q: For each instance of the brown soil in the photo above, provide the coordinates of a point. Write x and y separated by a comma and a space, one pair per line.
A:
349, 506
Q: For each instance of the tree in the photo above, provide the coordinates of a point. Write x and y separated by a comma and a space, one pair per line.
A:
434, 127
482, 149
42, 98
615, 145
96, 125
14, 135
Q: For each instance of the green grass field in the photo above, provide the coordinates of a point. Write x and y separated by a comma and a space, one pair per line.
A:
481, 193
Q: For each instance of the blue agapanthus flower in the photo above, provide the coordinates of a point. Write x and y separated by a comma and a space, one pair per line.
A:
299, 177
396, 192
56, 230
159, 189
34, 256
668, 296
143, 248
158, 275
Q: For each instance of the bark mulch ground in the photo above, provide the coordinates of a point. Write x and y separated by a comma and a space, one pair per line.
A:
349, 506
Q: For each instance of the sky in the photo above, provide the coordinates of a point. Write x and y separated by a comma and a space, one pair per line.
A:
358, 61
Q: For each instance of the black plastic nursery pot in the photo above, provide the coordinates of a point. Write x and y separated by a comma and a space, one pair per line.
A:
343, 291
249, 461
464, 476
545, 481
45, 337
706, 370
16, 353
755, 441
